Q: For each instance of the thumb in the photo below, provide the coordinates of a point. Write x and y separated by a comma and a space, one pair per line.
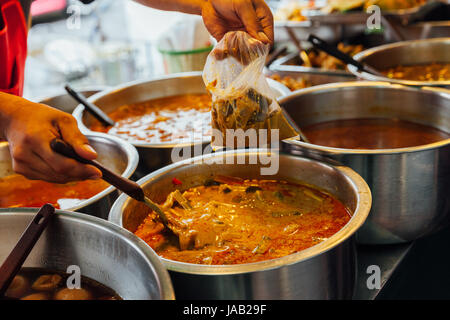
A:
72, 135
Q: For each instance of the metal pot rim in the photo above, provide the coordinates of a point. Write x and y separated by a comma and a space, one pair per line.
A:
132, 157
364, 201
79, 110
386, 85
368, 76
165, 283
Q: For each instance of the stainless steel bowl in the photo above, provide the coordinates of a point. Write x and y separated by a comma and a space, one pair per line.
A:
410, 186
324, 271
405, 53
102, 251
65, 102
116, 154
152, 156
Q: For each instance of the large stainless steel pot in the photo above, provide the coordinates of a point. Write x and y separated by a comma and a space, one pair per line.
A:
324, 271
102, 251
65, 102
410, 186
404, 53
152, 156
116, 154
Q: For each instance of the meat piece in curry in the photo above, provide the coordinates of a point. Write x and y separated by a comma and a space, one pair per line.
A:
237, 221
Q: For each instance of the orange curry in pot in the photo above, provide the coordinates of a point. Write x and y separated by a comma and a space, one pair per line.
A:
18, 191
239, 221
174, 119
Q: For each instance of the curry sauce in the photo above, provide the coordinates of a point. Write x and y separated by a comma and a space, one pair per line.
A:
376, 133
241, 221
18, 191
174, 119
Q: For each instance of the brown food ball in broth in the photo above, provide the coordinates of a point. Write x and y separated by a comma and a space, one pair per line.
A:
47, 282
18, 287
73, 294
36, 296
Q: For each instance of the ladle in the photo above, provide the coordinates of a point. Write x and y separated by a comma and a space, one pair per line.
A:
338, 54
90, 107
18, 255
125, 185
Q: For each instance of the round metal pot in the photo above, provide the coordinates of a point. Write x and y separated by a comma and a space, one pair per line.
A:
404, 53
153, 156
65, 102
324, 271
116, 154
103, 252
410, 186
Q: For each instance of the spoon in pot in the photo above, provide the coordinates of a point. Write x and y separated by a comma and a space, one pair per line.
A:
18, 255
125, 185
338, 54
90, 107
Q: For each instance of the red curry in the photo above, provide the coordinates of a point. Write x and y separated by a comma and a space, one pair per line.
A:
173, 119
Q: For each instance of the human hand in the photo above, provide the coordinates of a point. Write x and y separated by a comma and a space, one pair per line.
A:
252, 16
29, 128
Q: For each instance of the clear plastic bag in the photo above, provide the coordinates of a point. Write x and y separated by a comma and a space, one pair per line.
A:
241, 95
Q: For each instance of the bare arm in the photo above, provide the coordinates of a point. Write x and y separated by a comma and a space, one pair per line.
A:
185, 6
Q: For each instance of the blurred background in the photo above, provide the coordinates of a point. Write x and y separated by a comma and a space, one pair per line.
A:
106, 43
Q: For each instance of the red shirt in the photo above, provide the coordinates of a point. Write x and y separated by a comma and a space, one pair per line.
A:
13, 47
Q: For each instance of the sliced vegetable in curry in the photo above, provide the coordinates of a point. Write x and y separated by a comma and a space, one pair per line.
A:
236, 221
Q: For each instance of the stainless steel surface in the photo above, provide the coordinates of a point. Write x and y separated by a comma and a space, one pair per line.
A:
324, 271
405, 53
152, 156
410, 186
116, 154
102, 251
66, 103
388, 258
426, 30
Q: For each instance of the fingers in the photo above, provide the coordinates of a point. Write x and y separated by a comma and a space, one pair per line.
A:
213, 22
71, 134
252, 16
252, 13
33, 158
265, 18
247, 14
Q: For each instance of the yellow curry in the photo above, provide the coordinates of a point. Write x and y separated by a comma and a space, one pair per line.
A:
238, 221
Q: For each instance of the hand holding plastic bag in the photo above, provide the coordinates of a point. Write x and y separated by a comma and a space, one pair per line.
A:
241, 95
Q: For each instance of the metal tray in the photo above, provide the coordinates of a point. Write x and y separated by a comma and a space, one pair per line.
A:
283, 66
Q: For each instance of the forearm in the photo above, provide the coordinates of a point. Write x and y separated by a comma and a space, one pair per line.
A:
185, 6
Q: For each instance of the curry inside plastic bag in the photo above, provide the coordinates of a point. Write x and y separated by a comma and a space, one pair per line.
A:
241, 95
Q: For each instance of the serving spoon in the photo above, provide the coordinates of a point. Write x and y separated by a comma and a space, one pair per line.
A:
90, 107
18, 255
127, 186
338, 54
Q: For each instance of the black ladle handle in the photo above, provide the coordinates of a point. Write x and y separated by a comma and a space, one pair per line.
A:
18, 255
90, 107
338, 54
127, 186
